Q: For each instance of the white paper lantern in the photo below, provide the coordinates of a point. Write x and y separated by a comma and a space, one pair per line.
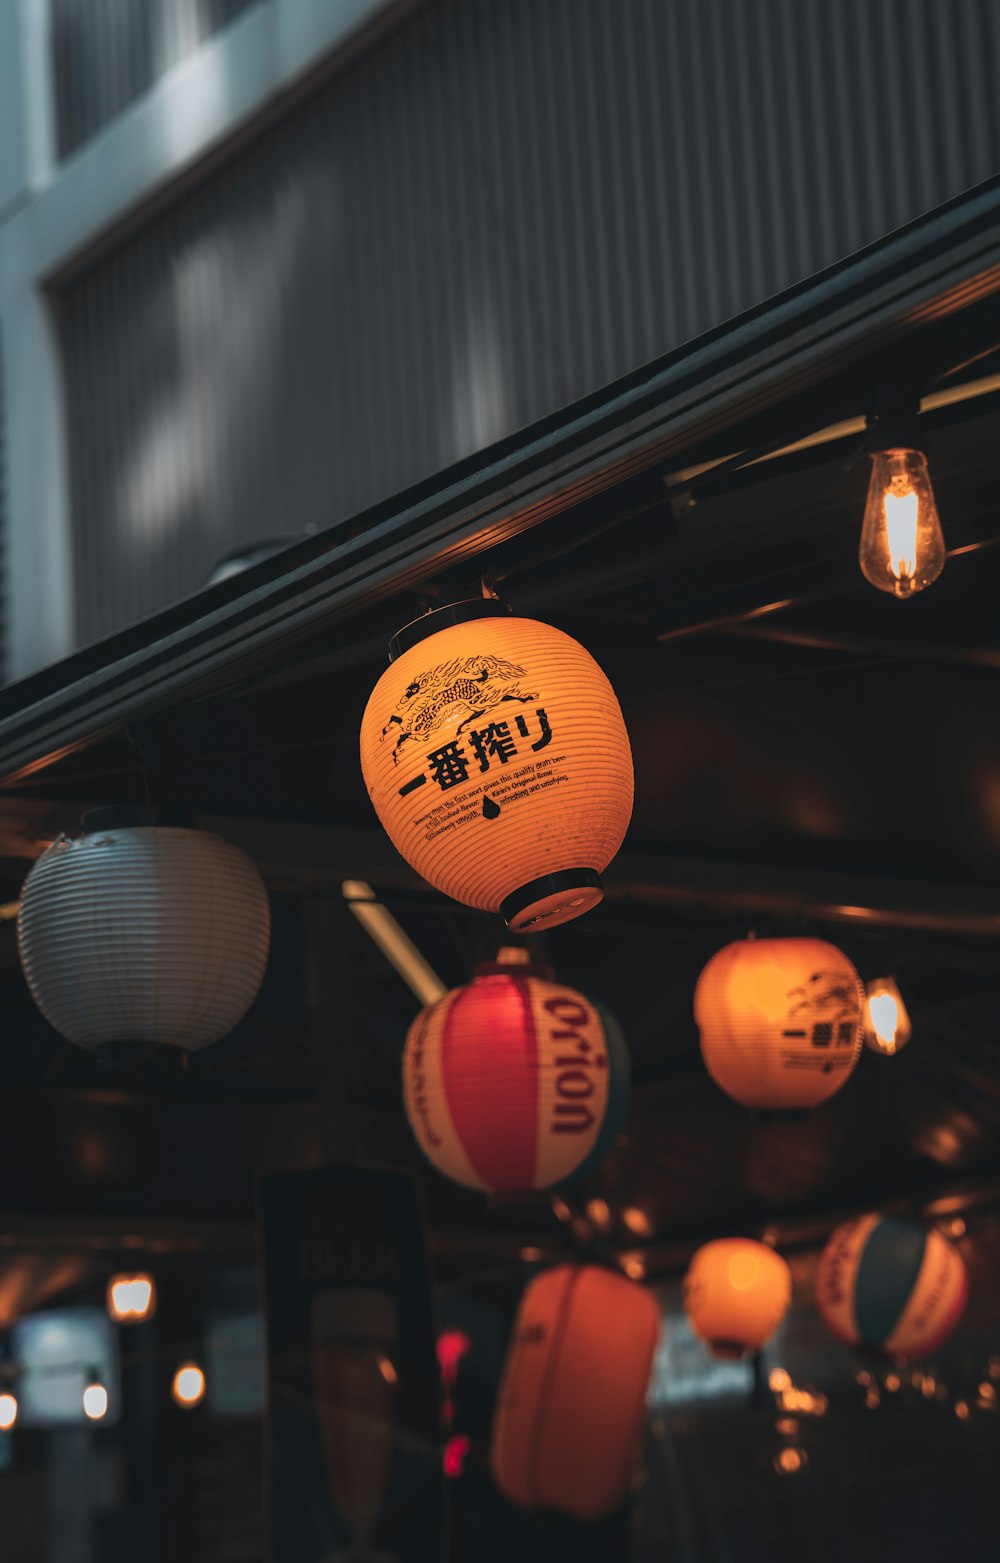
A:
137, 933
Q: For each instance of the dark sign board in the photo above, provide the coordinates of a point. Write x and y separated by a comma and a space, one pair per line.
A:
354, 1443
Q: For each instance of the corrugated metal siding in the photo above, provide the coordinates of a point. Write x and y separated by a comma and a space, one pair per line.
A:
4, 534
107, 53
503, 206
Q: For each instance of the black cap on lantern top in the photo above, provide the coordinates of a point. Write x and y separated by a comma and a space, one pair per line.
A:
117, 816
443, 618
135, 816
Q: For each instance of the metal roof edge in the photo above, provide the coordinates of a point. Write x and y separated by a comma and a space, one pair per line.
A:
944, 260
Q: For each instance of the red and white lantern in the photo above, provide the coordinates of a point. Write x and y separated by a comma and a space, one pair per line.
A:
515, 1082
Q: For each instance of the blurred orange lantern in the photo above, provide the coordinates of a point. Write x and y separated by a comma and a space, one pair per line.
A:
572, 1401
515, 1082
780, 1021
496, 757
891, 1285
736, 1293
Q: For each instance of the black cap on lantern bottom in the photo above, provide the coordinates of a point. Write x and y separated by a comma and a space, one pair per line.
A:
728, 1350
156, 1057
552, 899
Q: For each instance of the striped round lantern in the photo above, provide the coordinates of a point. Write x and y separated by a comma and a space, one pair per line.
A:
736, 1293
781, 1021
140, 934
496, 757
515, 1082
891, 1285
572, 1401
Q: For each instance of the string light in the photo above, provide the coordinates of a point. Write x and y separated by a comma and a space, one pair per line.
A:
902, 547
95, 1398
131, 1298
599, 1212
637, 1221
788, 1462
887, 1023
8, 1411
188, 1388
803, 1400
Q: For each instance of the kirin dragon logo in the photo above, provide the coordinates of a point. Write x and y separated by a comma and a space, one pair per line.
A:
828, 995
467, 687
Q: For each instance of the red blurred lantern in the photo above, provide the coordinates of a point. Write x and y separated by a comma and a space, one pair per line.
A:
514, 1081
572, 1401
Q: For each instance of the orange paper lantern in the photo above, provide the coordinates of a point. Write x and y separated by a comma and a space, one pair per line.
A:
572, 1401
781, 1021
736, 1293
515, 1082
496, 757
891, 1285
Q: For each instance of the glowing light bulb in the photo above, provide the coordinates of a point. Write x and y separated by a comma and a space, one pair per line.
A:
188, 1388
637, 1220
902, 545
887, 1023
790, 1461
599, 1212
95, 1400
131, 1298
779, 1379
8, 1411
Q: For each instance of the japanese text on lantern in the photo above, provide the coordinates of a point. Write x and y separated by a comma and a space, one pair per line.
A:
449, 765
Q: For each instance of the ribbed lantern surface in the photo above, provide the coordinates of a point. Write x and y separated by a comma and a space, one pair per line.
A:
144, 934
515, 1082
572, 1401
781, 1021
496, 756
892, 1285
736, 1293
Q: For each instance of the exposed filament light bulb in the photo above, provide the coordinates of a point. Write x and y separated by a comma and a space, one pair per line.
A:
902, 545
95, 1398
887, 1023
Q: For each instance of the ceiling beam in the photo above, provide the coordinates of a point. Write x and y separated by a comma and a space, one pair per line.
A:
321, 856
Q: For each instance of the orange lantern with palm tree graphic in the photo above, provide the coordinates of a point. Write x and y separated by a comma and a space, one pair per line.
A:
496, 756
781, 1021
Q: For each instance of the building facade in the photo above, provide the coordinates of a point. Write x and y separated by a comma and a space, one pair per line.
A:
265, 262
